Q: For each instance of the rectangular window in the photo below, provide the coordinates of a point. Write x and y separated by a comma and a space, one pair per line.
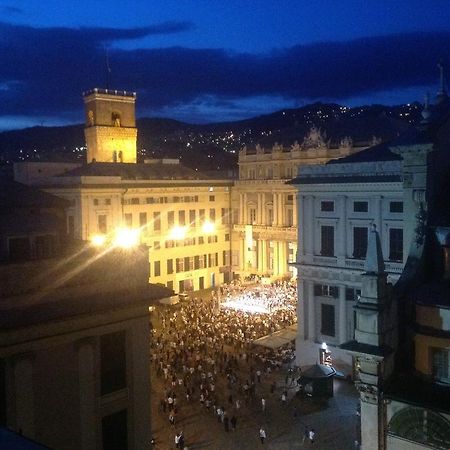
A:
128, 219
196, 262
212, 198
360, 242
115, 431
327, 240
192, 217
202, 216
352, 294
107, 201
395, 244
212, 215
95, 201
170, 219
181, 218
201, 240
169, 266
150, 200
252, 216
102, 223
142, 219
186, 264
170, 285
327, 206
157, 268
360, 206
156, 221
135, 201
396, 207
227, 237
327, 320
441, 365
45, 246
156, 245
224, 215
180, 265
112, 362
324, 290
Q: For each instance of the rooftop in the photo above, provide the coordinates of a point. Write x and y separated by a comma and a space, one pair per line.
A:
109, 92
139, 171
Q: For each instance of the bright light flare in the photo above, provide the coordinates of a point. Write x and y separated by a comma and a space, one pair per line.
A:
177, 233
98, 240
208, 227
126, 238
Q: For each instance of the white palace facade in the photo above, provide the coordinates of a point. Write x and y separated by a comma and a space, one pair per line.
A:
338, 202
266, 217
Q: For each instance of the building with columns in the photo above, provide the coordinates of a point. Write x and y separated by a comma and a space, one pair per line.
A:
265, 208
74, 326
337, 204
183, 216
401, 346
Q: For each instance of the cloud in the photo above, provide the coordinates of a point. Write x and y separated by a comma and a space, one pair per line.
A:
10, 10
44, 70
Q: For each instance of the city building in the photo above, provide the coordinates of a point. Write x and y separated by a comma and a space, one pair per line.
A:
398, 340
265, 207
74, 326
181, 215
337, 204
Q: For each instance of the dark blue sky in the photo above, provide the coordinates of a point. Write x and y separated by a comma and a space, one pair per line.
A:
210, 60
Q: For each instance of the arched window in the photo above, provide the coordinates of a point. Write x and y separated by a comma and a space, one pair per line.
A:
115, 117
421, 425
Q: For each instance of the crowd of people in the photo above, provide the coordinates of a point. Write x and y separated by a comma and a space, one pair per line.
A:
203, 354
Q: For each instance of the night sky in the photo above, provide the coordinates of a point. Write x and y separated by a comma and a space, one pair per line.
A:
211, 60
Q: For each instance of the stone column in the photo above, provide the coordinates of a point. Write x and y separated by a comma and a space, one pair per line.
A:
280, 209
243, 254
311, 310
140, 383
86, 373
264, 256
259, 209
301, 325
241, 208
275, 209
263, 209
377, 215
24, 395
309, 225
260, 255
341, 250
342, 316
282, 258
244, 212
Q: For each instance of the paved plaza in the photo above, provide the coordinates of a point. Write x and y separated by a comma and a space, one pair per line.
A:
334, 420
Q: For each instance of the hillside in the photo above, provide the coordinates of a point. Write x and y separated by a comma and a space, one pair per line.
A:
215, 146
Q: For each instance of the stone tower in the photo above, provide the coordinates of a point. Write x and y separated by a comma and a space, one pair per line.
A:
375, 343
110, 128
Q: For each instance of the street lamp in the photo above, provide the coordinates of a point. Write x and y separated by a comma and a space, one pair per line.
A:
98, 240
208, 227
126, 237
178, 232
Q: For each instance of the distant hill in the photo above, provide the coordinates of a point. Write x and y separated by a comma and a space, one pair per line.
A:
215, 146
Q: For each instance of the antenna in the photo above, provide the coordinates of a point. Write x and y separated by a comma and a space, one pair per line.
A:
108, 68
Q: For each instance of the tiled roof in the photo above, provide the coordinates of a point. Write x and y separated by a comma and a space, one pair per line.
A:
138, 171
15, 195
380, 152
